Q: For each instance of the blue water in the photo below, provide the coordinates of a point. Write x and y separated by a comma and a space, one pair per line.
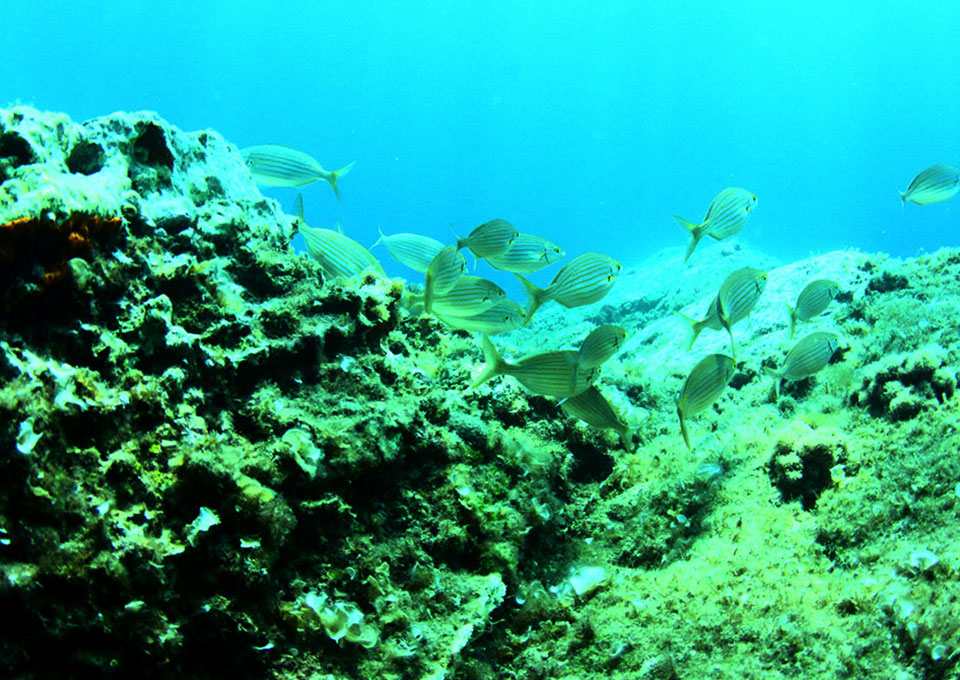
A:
590, 123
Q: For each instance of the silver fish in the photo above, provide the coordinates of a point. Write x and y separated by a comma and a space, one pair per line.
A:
936, 183
726, 216
706, 382
277, 165
582, 281
553, 374
601, 344
339, 256
412, 250
489, 239
501, 318
807, 357
738, 294
470, 296
442, 274
812, 301
592, 407
527, 254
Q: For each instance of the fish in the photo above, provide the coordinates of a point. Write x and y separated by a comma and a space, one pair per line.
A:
412, 250
585, 279
706, 382
470, 296
601, 344
528, 253
552, 374
501, 318
738, 294
812, 301
339, 255
276, 165
807, 357
595, 410
442, 275
726, 216
489, 239
710, 320
935, 184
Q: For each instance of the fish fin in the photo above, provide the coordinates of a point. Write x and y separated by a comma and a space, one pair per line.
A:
336, 175
696, 232
903, 197
379, 238
683, 429
733, 345
793, 319
298, 208
533, 298
491, 363
626, 439
693, 329
777, 377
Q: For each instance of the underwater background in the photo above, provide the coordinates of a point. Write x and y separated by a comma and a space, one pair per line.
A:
235, 443
589, 123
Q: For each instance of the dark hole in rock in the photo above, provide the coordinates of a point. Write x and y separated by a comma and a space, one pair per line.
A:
150, 147
86, 158
16, 147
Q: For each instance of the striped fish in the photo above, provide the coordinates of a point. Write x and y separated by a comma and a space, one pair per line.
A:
602, 343
738, 294
470, 296
276, 165
489, 239
592, 407
936, 183
704, 385
412, 250
553, 374
442, 275
807, 357
726, 216
582, 281
527, 254
812, 301
339, 256
501, 318
710, 320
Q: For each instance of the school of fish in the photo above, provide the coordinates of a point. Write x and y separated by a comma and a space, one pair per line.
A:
474, 304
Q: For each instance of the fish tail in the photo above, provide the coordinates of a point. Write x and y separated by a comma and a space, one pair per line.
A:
491, 363
793, 319
696, 232
533, 298
379, 238
903, 197
336, 175
626, 439
693, 329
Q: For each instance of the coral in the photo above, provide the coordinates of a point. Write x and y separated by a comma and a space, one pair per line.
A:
803, 460
901, 386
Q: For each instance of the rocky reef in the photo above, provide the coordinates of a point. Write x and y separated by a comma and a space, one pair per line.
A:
218, 464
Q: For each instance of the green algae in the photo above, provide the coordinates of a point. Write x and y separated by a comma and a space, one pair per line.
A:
219, 464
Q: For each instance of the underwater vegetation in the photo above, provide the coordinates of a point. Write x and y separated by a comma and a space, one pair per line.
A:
223, 458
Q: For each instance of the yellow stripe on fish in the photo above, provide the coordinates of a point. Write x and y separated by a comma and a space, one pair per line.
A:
501, 318
489, 239
592, 407
470, 296
807, 357
412, 250
527, 254
706, 382
812, 301
582, 281
277, 165
442, 274
738, 294
553, 374
936, 183
339, 256
726, 216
